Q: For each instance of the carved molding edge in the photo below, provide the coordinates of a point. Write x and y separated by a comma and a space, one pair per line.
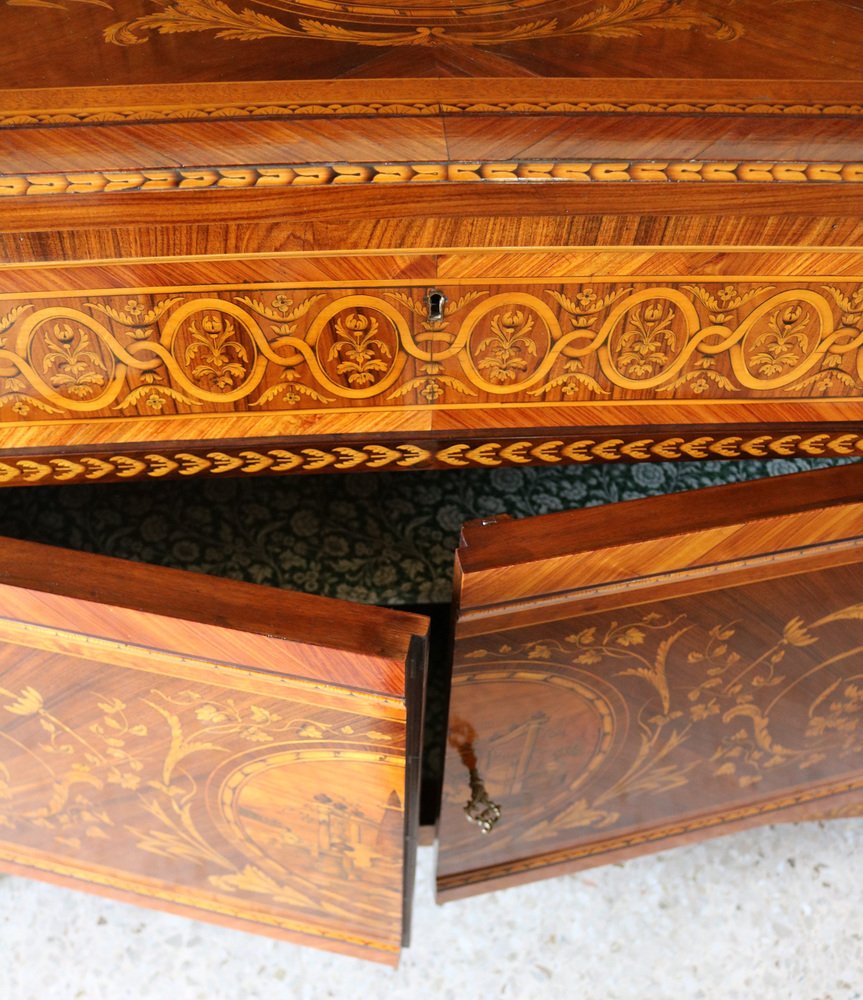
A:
276, 176
151, 464
651, 107
224, 111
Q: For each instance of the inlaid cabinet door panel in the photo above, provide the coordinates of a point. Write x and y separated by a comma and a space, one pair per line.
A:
222, 750
635, 676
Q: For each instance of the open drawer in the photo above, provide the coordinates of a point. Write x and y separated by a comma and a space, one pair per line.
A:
624, 678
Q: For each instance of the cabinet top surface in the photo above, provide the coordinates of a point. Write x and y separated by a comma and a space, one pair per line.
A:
431, 53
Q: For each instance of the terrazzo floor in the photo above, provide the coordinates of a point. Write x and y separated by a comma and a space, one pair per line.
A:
771, 913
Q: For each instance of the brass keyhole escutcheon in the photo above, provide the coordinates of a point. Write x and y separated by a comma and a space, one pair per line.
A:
435, 302
479, 809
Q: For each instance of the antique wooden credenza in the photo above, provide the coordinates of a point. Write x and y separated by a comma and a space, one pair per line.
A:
285, 237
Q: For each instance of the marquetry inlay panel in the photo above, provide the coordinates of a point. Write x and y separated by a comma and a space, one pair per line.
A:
673, 715
388, 24
275, 802
159, 352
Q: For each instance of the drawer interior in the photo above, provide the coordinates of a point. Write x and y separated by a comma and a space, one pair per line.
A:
386, 538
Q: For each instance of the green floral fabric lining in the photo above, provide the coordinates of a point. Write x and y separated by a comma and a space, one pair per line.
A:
375, 538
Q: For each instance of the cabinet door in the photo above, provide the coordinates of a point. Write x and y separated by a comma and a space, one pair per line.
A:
231, 752
631, 677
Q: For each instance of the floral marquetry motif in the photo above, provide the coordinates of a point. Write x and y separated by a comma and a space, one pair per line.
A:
67, 357
358, 348
508, 340
396, 24
657, 709
194, 774
271, 349
218, 351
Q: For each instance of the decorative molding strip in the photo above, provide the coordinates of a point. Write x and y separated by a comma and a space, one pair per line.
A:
276, 176
222, 112
650, 106
687, 445
326, 456
218, 112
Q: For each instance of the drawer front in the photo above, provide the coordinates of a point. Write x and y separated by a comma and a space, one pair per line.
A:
142, 354
103, 371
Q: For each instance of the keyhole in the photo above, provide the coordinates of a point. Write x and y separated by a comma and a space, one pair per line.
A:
435, 301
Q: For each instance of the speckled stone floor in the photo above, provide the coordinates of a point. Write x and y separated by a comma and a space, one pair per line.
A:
771, 913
